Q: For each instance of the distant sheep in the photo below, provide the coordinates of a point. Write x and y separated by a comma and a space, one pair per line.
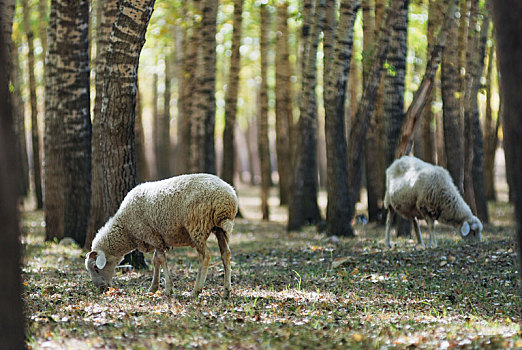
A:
416, 189
176, 212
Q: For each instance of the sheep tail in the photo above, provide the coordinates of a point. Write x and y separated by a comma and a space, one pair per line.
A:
227, 225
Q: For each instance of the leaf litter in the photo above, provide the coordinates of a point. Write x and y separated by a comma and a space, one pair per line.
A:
290, 290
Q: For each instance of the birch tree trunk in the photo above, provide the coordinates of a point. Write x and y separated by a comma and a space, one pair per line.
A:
229, 165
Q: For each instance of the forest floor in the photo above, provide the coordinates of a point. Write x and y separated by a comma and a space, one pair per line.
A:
298, 290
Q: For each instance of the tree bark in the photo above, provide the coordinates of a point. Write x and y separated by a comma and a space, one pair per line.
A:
19, 122
453, 135
336, 74
54, 175
155, 126
477, 170
141, 160
425, 87
365, 108
283, 105
203, 119
11, 304
163, 159
35, 135
490, 133
374, 155
264, 153
303, 208
72, 45
229, 166
117, 119
508, 31
97, 217
435, 18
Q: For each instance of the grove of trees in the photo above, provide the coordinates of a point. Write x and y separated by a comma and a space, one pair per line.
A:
308, 94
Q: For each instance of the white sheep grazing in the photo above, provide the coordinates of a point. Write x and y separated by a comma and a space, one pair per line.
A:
176, 212
416, 189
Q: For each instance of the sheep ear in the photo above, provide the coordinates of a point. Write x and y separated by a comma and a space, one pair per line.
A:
100, 260
92, 255
464, 230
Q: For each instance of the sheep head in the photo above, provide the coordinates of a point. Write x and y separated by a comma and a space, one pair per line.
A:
472, 228
100, 268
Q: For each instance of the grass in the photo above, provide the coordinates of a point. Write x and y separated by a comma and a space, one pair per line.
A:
290, 290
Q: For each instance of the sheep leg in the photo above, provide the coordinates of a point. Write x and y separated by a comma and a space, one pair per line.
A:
155, 276
389, 219
160, 260
204, 259
168, 281
418, 233
225, 257
433, 239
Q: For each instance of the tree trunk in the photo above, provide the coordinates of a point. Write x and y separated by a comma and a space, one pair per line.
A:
19, 121
141, 160
155, 126
54, 175
164, 146
365, 107
35, 138
303, 208
394, 86
336, 75
229, 149
283, 105
435, 17
97, 218
203, 117
465, 99
506, 15
425, 87
117, 120
452, 126
72, 44
476, 69
490, 133
374, 146
264, 153
11, 304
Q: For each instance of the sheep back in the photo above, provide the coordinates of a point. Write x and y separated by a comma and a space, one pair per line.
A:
179, 211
